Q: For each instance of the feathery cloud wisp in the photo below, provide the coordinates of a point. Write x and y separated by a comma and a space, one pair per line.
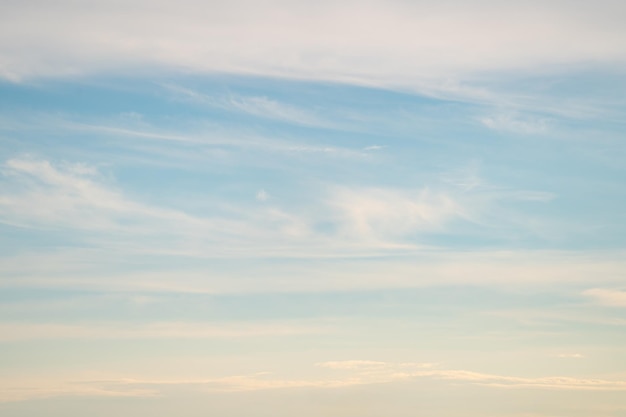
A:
607, 297
358, 373
413, 41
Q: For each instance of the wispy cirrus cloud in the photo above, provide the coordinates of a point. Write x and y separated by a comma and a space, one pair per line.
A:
382, 213
259, 106
336, 222
18, 390
44, 195
433, 49
38, 193
350, 375
607, 297
11, 332
197, 139
517, 124
353, 364
416, 41
170, 271
378, 371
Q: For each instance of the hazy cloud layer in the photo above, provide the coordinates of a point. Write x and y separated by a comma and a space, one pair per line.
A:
358, 373
286, 208
389, 43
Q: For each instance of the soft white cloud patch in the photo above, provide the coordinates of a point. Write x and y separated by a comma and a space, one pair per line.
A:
501, 381
377, 213
542, 317
92, 270
18, 390
608, 297
38, 193
373, 148
160, 330
46, 194
206, 139
326, 40
377, 372
467, 178
259, 106
43, 195
262, 195
516, 123
353, 364
570, 355
353, 375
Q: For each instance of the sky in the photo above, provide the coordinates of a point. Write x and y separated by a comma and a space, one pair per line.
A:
332, 208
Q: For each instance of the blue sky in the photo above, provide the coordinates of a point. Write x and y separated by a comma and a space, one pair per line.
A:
350, 209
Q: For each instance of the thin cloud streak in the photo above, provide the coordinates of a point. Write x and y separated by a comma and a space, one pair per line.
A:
354, 375
14, 332
414, 40
91, 270
200, 135
259, 106
74, 197
451, 50
607, 297
44, 195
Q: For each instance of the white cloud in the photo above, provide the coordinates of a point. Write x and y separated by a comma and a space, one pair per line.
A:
76, 197
415, 268
17, 390
515, 123
209, 138
353, 364
373, 148
389, 372
559, 316
355, 222
413, 41
608, 297
262, 195
377, 213
382, 373
259, 106
43, 195
159, 330
38, 193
